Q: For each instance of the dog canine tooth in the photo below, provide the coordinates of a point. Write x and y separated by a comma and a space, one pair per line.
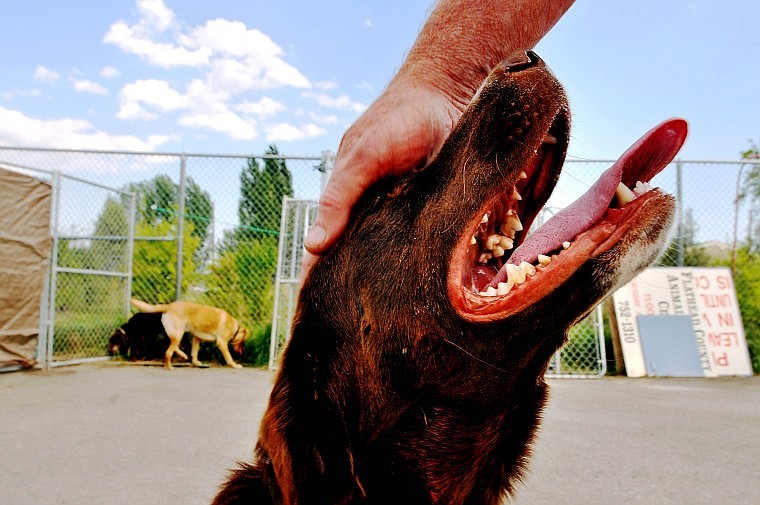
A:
513, 221
473, 240
516, 195
485, 218
624, 194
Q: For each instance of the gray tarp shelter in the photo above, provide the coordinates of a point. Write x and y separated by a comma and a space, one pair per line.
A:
25, 241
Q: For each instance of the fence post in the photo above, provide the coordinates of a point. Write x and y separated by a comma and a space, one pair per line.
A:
130, 252
181, 221
680, 230
53, 272
327, 164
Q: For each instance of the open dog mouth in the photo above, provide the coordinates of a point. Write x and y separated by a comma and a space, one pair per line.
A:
504, 268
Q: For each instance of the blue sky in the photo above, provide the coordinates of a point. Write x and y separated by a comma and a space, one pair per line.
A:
233, 76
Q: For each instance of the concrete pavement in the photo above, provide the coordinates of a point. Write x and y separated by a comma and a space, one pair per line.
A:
124, 434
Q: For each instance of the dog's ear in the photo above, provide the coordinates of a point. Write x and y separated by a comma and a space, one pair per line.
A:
246, 484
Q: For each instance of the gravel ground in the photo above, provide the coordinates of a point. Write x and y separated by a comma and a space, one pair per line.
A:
126, 434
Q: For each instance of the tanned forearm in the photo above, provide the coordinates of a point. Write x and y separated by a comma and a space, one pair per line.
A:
463, 40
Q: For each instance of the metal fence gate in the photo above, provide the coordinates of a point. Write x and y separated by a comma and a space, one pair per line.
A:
90, 270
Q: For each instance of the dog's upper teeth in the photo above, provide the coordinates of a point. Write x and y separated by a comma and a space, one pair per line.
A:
485, 219
516, 195
507, 243
513, 221
492, 241
522, 175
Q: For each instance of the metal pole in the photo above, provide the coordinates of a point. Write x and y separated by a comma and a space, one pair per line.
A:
181, 221
328, 163
48, 358
737, 201
680, 229
599, 324
130, 250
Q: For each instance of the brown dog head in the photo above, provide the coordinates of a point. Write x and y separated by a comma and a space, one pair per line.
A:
238, 339
415, 369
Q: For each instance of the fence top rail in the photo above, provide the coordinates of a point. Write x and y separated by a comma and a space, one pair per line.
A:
154, 153
297, 157
16, 166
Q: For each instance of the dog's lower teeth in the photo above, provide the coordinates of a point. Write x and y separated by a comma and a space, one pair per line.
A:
624, 195
544, 260
565, 245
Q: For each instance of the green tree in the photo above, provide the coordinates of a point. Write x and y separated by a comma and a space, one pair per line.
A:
158, 202
155, 263
241, 280
262, 191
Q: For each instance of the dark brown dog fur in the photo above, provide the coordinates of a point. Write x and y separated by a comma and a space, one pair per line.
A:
396, 387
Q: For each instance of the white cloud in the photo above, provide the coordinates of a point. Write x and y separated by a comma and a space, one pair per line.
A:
342, 102
369, 23
287, 132
154, 94
165, 55
230, 61
19, 129
90, 87
43, 74
328, 119
224, 121
109, 72
263, 108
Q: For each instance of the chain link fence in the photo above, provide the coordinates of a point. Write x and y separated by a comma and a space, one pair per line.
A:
230, 239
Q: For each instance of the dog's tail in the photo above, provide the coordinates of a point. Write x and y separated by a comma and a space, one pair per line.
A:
146, 307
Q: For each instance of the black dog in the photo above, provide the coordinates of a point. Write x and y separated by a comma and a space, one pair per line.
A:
141, 338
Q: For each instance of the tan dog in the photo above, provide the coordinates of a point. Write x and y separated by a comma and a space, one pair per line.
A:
203, 322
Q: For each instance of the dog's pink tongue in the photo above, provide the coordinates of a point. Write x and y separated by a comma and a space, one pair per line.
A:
641, 162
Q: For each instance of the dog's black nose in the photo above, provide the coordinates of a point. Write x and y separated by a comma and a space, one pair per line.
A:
522, 60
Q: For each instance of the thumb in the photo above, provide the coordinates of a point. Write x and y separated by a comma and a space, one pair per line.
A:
341, 193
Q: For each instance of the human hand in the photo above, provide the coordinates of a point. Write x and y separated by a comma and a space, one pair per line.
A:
402, 130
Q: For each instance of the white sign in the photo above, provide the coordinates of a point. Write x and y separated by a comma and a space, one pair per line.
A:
707, 295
